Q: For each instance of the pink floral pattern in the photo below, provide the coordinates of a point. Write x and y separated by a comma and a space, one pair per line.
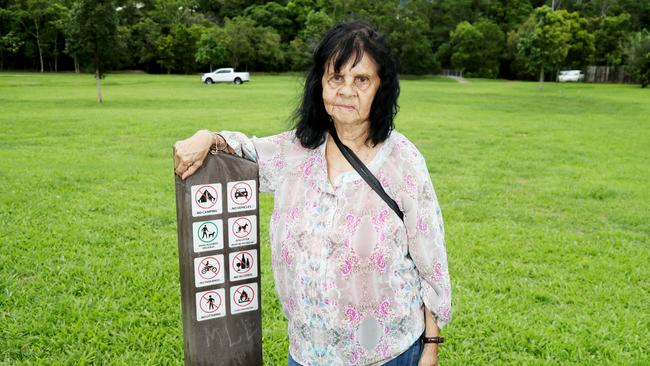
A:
351, 276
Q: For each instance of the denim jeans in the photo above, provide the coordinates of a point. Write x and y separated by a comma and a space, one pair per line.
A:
410, 357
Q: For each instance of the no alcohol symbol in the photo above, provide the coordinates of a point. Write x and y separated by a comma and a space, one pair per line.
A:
206, 196
242, 262
207, 232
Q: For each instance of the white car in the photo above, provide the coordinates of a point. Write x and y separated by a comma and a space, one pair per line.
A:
570, 75
227, 75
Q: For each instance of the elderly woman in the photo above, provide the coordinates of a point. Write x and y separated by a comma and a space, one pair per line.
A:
359, 284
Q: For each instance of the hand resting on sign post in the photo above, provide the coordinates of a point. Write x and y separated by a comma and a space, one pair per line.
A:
190, 153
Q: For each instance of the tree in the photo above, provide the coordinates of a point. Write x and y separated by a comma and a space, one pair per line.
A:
581, 45
609, 37
543, 40
638, 55
92, 36
209, 51
303, 46
36, 16
465, 42
9, 44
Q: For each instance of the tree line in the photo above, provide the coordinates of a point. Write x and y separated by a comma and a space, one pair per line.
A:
522, 39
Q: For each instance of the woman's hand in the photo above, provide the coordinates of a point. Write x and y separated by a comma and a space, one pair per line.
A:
429, 356
190, 153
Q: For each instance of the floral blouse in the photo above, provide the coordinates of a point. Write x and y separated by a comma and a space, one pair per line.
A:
351, 276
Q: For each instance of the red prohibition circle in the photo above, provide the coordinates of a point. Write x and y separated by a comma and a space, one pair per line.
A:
252, 296
209, 271
204, 297
236, 223
198, 195
234, 259
236, 199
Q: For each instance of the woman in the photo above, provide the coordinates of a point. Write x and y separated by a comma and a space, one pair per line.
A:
358, 285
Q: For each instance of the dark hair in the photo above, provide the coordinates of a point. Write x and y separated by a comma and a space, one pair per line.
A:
339, 45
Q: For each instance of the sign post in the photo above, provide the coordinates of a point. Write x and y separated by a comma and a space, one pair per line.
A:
218, 251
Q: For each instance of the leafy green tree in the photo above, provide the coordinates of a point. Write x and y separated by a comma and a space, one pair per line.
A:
209, 51
638, 56
10, 43
92, 35
609, 37
275, 16
36, 17
581, 45
466, 47
302, 47
543, 40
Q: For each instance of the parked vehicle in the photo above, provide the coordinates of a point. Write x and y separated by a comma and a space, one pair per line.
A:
570, 75
227, 75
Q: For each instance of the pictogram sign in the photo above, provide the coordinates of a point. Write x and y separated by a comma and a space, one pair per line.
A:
209, 270
242, 231
210, 304
241, 196
243, 265
207, 235
243, 298
206, 199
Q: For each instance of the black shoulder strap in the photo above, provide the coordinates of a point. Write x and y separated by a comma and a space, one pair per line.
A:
366, 174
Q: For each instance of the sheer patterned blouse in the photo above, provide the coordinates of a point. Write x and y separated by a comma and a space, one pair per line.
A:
351, 276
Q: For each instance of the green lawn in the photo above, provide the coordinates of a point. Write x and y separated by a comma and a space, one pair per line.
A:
545, 195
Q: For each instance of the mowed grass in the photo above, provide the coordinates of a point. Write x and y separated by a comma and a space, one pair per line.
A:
545, 197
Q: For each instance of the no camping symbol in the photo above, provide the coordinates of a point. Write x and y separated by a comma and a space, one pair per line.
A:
206, 199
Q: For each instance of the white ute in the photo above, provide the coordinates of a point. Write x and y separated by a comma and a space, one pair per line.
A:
227, 75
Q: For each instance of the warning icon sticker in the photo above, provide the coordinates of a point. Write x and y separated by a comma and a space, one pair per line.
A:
243, 265
206, 199
210, 304
241, 196
207, 235
243, 231
208, 270
243, 298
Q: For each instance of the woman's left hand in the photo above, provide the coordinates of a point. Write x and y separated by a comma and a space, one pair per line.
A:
429, 356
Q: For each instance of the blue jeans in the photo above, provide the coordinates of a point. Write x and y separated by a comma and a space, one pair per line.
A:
410, 357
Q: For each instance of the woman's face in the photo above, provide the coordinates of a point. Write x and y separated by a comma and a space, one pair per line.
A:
348, 94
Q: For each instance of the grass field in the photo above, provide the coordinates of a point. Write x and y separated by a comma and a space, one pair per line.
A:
545, 196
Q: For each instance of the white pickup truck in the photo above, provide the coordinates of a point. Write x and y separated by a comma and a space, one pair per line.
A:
227, 75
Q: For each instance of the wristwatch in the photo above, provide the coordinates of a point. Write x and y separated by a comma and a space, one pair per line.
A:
436, 340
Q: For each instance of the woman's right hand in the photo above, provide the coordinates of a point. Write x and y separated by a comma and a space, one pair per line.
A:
190, 153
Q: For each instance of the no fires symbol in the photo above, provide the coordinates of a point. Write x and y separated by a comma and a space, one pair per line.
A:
244, 296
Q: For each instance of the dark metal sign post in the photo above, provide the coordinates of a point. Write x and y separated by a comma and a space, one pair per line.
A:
219, 255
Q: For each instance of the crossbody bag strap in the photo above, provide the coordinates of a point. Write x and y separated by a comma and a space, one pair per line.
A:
366, 174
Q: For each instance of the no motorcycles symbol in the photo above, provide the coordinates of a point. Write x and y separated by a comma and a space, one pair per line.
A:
242, 227
206, 197
210, 302
241, 193
209, 268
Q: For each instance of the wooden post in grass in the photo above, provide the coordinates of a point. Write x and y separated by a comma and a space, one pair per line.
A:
218, 251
